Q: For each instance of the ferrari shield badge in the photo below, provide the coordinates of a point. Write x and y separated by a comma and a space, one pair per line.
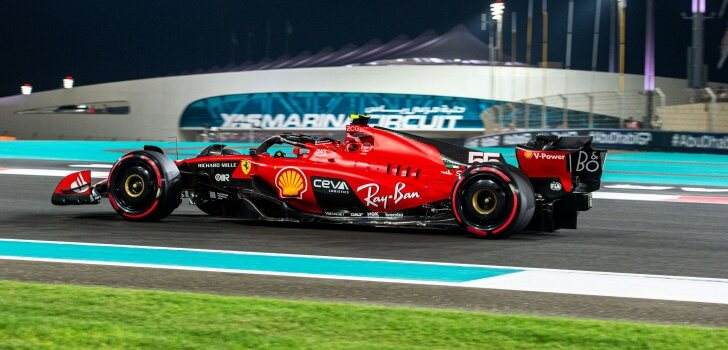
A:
245, 166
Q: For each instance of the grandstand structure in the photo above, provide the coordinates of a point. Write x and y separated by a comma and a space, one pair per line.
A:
435, 85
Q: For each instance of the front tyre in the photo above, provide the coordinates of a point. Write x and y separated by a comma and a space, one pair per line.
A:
144, 186
493, 200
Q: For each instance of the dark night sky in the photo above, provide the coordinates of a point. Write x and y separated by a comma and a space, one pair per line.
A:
101, 41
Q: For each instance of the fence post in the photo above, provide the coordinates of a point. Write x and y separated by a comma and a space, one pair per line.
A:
512, 108
499, 118
620, 95
711, 108
663, 101
485, 117
565, 116
544, 125
656, 121
591, 110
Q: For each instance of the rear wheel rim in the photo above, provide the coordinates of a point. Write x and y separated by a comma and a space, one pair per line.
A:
484, 201
485, 208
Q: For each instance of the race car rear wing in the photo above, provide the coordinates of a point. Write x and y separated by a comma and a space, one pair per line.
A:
570, 159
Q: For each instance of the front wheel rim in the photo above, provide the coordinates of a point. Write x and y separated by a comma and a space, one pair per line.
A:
134, 189
134, 185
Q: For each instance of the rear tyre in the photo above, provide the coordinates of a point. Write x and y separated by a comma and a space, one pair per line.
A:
144, 186
493, 200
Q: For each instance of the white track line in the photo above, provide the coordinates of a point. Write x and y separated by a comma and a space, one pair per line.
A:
347, 258
638, 187
610, 285
663, 188
650, 197
244, 272
700, 189
606, 284
49, 172
666, 288
92, 166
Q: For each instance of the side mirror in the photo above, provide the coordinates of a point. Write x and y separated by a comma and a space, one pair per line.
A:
253, 152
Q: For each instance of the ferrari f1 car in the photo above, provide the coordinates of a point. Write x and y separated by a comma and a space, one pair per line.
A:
375, 176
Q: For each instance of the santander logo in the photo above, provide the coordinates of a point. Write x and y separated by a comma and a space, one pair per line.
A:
79, 185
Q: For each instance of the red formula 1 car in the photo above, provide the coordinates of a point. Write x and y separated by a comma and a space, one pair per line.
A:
375, 177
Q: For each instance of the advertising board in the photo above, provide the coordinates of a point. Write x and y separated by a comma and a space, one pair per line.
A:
325, 111
628, 139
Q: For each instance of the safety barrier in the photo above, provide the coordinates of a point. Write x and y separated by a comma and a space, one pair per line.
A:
648, 140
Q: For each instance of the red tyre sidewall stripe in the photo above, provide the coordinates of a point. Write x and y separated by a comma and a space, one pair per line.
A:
454, 204
112, 200
492, 170
156, 170
139, 216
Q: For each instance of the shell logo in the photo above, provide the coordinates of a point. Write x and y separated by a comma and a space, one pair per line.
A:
528, 154
291, 183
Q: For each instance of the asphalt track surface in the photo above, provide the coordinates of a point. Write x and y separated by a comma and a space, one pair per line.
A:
640, 237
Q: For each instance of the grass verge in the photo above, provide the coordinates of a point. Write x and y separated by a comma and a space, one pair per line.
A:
46, 316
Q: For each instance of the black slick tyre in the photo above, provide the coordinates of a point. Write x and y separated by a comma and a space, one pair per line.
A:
144, 186
493, 200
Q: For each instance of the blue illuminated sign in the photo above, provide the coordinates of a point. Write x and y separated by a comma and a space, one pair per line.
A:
330, 110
